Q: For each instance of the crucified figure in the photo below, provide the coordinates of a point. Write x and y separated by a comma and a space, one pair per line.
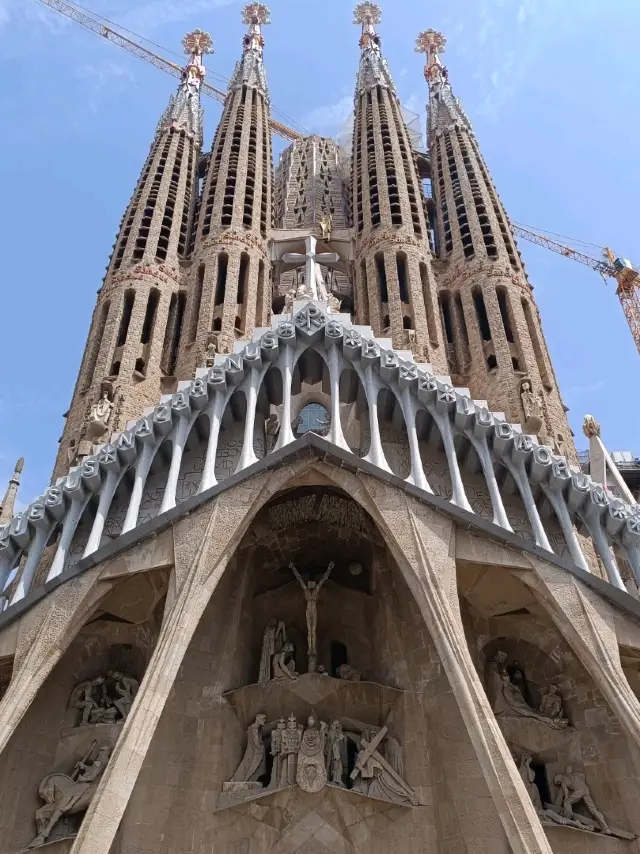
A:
311, 590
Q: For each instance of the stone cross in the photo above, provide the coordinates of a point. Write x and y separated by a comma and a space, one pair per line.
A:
311, 259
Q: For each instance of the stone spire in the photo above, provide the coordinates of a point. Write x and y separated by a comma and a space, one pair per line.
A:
131, 350
395, 286
494, 338
229, 289
8, 503
373, 70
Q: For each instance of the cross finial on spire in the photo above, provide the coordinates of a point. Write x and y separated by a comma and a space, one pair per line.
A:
195, 44
433, 44
368, 14
256, 15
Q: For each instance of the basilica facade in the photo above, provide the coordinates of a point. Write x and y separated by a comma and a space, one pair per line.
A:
318, 570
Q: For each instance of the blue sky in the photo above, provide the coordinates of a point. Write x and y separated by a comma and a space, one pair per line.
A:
551, 87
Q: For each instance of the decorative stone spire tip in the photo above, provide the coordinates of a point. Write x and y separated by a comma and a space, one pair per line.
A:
433, 44
256, 14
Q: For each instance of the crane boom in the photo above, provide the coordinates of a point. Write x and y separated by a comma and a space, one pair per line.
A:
80, 17
610, 266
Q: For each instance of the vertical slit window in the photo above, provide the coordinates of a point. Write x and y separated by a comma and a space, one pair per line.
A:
221, 281
403, 284
389, 163
447, 321
382, 277
260, 298
409, 166
504, 313
441, 199
242, 277
125, 320
458, 200
98, 334
176, 332
150, 316
481, 314
429, 304
266, 212
538, 348
364, 290
197, 302
150, 202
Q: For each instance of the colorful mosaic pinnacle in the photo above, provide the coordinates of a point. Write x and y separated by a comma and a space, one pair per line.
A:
197, 43
367, 13
256, 13
431, 41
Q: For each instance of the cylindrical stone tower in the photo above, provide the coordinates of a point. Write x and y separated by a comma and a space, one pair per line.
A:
395, 286
131, 350
230, 290
495, 342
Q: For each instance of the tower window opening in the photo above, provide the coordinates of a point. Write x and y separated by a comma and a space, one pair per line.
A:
364, 291
382, 277
217, 324
538, 347
260, 296
140, 367
125, 320
407, 322
242, 278
447, 322
504, 313
150, 315
221, 280
481, 314
172, 334
409, 166
492, 362
515, 363
401, 267
98, 335
197, 302
390, 168
338, 656
429, 304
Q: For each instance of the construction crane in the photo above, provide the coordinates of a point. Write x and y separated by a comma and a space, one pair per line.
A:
610, 266
85, 20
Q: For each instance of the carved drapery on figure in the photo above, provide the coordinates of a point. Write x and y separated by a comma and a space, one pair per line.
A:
254, 761
336, 750
311, 774
311, 590
530, 407
273, 641
68, 795
283, 664
507, 699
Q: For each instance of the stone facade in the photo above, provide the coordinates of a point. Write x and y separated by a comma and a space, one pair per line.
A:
313, 596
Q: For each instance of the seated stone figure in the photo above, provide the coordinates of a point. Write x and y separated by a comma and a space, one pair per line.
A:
507, 700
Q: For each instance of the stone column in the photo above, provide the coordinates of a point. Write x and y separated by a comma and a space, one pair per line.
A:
422, 542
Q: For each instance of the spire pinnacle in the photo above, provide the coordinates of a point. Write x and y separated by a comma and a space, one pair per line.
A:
445, 110
8, 504
374, 70
184, 109
250, 70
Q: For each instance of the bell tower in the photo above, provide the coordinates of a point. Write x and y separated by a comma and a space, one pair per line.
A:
395, 286
131, 346
495, 343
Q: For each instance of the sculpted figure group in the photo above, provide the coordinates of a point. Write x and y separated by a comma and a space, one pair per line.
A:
315, 754
507, 697
104, 700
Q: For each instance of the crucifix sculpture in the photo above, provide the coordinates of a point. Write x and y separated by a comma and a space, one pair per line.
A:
311, 260
311, 590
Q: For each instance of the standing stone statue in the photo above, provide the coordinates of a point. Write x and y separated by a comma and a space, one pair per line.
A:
68, 795
273, 640
573, 790
311, 775
126, 688
283, 664
99, 417
311, 591
326, 223
254, 761
291, 741
530, 407
210, 355
271, 429
276, 753
289, 298
529, 779
336, 754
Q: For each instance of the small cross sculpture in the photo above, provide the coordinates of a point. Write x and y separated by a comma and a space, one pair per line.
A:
197, 42
256, 13
431, 41
367, 13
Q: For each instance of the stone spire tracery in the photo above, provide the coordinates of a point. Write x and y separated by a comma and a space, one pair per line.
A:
131, 349
495, 342
7, 508
395, 286
229, 291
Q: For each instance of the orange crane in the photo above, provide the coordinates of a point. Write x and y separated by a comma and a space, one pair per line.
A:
609, 265
81, 16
